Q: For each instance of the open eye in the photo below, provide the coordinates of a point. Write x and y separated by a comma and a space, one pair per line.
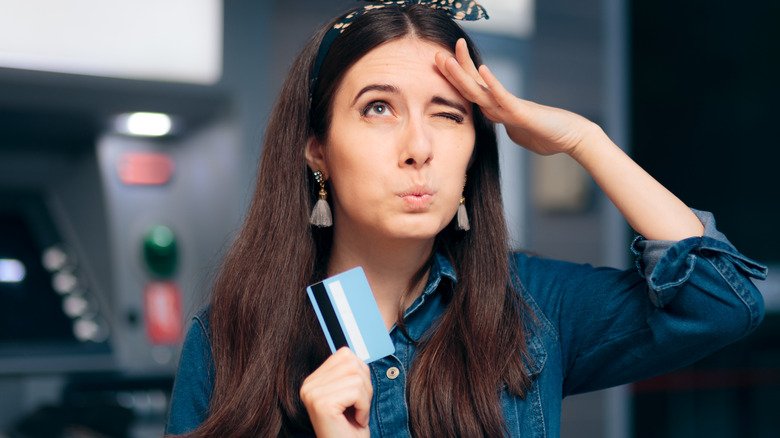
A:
377, 108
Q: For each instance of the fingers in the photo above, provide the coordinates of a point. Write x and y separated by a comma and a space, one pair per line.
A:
480, 86
342, 383
441, 60
461, 72
465, 61
341, 365
467, 86
504, 98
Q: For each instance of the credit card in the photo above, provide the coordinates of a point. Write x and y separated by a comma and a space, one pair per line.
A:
349, 315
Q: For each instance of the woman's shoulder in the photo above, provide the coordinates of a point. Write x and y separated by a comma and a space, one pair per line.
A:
201, 319
196, 350
198, 336
194, 381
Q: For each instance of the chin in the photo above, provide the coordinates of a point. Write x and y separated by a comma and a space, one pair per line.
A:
417, 227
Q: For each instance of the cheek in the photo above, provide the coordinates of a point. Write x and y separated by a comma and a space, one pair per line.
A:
358, 171
458, 163
457, 153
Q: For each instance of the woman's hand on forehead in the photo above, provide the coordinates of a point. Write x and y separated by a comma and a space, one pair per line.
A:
539, 128
649, 208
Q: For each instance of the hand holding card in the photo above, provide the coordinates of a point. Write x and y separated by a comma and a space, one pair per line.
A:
349, 315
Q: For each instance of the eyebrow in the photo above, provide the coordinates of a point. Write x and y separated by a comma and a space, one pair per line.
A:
446, 102
394, 90
376, 87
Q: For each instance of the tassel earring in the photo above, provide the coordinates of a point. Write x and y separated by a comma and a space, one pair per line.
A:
463, 217
320, 215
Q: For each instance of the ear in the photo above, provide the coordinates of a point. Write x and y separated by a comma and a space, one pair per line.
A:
315, 155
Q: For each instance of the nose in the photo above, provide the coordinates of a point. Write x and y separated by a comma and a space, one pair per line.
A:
417, 145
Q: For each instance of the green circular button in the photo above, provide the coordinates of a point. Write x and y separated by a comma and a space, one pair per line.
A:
159, 251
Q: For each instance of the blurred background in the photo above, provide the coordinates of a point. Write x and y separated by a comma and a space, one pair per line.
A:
129, 137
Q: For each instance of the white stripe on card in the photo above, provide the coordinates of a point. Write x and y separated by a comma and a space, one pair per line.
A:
342, 305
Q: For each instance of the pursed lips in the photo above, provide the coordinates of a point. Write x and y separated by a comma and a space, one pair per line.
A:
417, 198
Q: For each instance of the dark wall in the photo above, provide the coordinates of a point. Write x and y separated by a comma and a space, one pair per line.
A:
704, 111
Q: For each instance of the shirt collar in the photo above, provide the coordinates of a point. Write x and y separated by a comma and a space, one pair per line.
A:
441, 267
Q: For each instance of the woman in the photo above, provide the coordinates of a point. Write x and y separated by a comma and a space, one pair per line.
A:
387, 108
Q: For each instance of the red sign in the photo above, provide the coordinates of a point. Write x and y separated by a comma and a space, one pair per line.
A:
162, 311
145, 168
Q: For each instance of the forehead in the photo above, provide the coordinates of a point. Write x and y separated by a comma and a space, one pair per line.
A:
406, 62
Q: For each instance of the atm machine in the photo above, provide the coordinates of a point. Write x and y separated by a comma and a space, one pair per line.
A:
120, 189
106, 250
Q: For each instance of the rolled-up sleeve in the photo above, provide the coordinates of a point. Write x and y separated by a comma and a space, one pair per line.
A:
682, 301
666, 265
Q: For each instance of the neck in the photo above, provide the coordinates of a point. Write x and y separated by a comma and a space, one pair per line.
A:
389, 265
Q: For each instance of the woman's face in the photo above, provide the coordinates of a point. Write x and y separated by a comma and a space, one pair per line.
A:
399, 142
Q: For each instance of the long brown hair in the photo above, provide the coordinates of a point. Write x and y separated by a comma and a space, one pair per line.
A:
264, 335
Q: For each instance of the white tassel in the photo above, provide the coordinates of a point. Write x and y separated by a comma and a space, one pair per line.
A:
320, 215
463, 217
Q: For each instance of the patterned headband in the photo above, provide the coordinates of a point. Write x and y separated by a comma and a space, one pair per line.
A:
467, 10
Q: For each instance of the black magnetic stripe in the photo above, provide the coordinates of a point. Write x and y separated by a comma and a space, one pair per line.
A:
329, 315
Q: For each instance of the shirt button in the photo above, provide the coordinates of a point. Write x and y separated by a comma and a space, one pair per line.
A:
392, 373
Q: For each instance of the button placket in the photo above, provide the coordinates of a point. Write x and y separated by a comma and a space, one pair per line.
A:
392, 416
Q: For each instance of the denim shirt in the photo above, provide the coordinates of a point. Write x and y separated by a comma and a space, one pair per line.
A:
596, 327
